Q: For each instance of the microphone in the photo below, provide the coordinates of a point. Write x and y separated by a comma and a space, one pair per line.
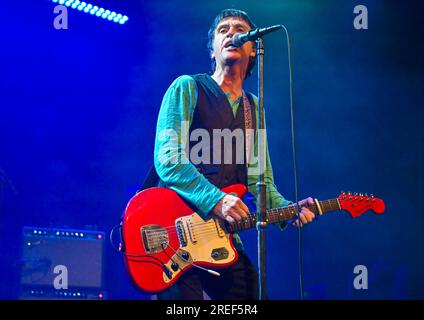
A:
240, 38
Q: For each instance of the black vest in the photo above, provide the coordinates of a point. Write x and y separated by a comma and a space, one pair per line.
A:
213, 111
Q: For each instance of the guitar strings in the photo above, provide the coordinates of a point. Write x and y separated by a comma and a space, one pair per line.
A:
195, 227
205, 229
202, 228
199, 225
195, 233
274, 211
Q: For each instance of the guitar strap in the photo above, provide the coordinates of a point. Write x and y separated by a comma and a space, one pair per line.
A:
151, 180
248, 127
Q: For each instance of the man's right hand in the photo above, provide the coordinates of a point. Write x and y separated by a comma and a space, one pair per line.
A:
231, 209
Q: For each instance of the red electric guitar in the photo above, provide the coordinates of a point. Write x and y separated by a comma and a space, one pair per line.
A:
164, 237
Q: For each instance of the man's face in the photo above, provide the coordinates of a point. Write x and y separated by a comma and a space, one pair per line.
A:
223, 52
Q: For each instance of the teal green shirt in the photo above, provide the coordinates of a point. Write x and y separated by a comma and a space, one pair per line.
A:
171, 160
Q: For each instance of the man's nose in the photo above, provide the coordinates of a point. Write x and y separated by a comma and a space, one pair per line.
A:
231, 31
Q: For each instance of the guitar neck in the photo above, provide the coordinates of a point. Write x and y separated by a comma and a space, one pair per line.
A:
281, 214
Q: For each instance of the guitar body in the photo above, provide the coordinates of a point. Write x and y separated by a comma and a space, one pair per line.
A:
163, 236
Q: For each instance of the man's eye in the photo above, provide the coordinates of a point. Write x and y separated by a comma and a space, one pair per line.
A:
222, 30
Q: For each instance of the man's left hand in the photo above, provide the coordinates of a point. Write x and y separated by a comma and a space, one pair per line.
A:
305, 214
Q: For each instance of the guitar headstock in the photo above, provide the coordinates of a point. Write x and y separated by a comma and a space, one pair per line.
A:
356, 204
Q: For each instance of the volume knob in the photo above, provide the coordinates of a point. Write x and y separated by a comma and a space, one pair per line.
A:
174, 266
185, 256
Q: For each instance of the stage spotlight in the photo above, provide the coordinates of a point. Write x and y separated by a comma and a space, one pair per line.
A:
93, 10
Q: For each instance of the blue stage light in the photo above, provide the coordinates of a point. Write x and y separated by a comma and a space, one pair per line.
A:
93, 10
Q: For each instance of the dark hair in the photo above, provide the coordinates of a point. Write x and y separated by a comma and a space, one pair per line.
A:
227, 13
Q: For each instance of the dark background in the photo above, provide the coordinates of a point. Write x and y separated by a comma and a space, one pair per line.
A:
78, 111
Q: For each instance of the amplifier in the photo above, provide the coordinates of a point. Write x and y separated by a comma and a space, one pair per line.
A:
62, 264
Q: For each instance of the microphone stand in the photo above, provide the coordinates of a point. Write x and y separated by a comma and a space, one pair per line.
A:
261, 186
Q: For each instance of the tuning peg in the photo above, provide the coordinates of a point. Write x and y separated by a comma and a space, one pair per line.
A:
349, 193
355, 193
342, 192
372, 196
366, 194
361, 194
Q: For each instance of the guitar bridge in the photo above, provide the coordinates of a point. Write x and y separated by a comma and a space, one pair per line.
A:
181, 233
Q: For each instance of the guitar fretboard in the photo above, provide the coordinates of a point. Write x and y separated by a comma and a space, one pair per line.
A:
283, 214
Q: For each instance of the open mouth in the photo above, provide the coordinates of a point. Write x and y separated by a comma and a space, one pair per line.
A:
230, 46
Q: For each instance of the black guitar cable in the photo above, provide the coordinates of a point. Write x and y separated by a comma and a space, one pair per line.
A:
119, 250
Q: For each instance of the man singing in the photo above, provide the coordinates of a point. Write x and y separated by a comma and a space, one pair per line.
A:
207, 103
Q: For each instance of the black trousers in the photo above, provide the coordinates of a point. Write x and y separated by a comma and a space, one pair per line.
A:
237, 282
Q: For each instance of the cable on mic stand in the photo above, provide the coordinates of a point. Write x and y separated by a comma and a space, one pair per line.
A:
296, 185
